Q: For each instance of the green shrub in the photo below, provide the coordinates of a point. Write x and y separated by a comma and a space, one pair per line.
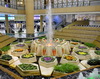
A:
97, 52
6, 48
90, 45
66, 68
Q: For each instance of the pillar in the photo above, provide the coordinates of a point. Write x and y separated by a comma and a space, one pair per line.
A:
29, 9
7, 23
41, 23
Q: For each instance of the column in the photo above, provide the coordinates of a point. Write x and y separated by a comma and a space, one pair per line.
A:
7, 23
29, 9
41, 23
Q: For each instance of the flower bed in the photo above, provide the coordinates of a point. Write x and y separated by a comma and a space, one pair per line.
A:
28, 58
66, 68
74, 44
6, 59
81, 48
48, 61
19, 52
93, 62
21, 45
69, 58
82, 55
5, 49
28, 69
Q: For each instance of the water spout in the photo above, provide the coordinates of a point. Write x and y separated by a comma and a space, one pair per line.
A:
49, 24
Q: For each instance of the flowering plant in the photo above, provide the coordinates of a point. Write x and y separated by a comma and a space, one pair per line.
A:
20, 45
82, 47
81, 53
18, 50
48, 59
70, 58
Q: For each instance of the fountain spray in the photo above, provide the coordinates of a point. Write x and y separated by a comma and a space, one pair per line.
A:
49, 24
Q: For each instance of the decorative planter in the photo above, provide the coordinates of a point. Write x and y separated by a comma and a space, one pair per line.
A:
26, 70
48, 61
19, 52
74, 44
65, 68
28, 58
5, 61
95, 54
84, 63
81, 48
28, 43
69, 59
83, 55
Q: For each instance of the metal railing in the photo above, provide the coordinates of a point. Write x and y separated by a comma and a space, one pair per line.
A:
69, 4
10, 5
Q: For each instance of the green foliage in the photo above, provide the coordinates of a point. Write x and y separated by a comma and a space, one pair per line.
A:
66, 68
42, 37
93, 62
28, 41
27, 66
15, 43
75, 40
97, 52
90, 45
6, 57
6, 48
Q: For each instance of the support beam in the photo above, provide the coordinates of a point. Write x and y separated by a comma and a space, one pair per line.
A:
7, 24
41, 23
29, 9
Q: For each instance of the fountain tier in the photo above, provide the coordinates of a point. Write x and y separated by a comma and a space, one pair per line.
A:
56, 48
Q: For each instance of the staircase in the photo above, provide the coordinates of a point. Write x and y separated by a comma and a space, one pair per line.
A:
85, 34
5, 40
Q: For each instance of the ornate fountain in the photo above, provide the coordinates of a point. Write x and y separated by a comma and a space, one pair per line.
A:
49, 46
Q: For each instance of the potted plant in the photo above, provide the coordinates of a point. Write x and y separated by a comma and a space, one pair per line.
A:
65, 68
28, 58
19, 52
69, 59
5, 49
48, 61
28, 69
6, 59
82, 55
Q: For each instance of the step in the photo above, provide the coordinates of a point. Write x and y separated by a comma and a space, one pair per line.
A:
4, 37
84, 28
81, 31
6, 42
76, 35
97, 43
80, 39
